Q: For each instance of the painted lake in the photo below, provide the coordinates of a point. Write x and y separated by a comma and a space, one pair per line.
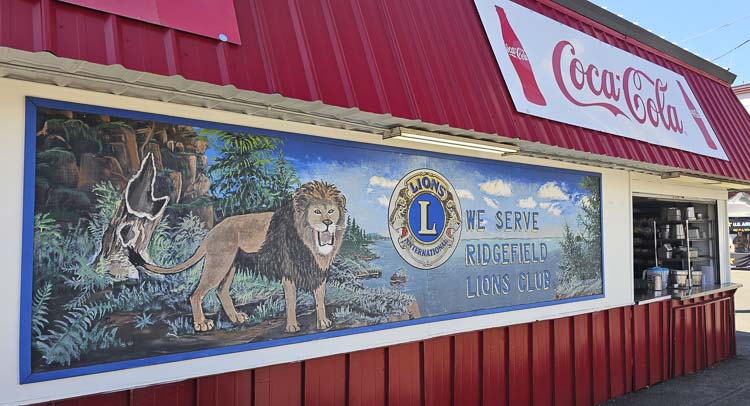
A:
455, 287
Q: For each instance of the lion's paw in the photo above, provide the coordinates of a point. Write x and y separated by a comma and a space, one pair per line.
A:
292, 327
324, 324
239, 318
205, 325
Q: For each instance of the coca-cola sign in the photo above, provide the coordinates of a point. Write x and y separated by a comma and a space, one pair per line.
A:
559, 73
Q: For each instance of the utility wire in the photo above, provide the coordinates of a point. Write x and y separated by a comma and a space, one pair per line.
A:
731, 50
714, 29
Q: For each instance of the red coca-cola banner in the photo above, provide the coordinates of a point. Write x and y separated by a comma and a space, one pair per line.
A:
561, 74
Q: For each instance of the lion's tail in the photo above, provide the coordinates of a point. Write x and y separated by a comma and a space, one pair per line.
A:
137, 260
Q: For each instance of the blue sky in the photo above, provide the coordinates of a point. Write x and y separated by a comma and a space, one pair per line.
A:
680, 21
367, 177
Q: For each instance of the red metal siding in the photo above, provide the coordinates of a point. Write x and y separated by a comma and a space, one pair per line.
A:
426, 60
579, 360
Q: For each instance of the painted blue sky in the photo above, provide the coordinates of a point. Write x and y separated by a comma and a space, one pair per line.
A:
367, 177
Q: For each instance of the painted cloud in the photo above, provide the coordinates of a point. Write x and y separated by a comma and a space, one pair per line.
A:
379, 181
551, 191
383, 200
490, 202
527, 203
465, 194
496, 187
554, 209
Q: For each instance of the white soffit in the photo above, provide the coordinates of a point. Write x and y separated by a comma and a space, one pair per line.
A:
44, 67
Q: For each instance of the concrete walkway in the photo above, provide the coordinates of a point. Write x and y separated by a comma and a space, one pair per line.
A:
727, 383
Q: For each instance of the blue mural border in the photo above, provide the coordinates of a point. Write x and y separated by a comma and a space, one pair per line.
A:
25, 373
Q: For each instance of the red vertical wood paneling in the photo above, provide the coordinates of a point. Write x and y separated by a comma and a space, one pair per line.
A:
207, 389
106, 399
367, 378
678, 342
564, 369
720, 333
724, 316
711, 332
629, 355
641, 354
438, 371
732, 329
728, 320
495, 367
655, 349
583, 359
467, 370
234, 388
542, 357
689, 340
278, 385
700, 338
170, 394
600, 348
703, 332
616, 352
325, 380
666, 322
404, 375
519, 365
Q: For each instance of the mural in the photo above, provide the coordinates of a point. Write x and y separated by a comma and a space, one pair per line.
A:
157, 239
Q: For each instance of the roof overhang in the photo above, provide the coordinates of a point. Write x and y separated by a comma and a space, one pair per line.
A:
43, 67
741, 89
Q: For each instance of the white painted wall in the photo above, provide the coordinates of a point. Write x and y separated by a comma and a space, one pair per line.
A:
616, 196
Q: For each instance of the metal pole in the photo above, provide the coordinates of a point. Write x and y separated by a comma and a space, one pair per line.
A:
656, 248
687, 238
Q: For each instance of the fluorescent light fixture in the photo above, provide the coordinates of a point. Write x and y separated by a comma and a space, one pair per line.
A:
705, 181
451, 141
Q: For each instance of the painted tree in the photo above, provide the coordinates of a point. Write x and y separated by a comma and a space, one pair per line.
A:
590, 224
249, 174
581, 250
355, 240
133, 222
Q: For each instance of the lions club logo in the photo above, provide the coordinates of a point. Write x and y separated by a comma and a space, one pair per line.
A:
424, 219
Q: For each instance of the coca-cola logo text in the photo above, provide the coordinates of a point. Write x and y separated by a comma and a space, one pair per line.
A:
516, 52
644, 97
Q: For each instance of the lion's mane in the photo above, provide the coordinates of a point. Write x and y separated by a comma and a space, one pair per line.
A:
288, 250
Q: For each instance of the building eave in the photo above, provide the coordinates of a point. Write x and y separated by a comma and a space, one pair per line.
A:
43, 67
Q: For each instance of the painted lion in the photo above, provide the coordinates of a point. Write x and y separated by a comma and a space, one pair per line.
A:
295, 244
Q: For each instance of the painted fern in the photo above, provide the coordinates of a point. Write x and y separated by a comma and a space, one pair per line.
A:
40, 310
76, 333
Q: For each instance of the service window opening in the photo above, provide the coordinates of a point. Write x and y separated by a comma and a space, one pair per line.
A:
670, 238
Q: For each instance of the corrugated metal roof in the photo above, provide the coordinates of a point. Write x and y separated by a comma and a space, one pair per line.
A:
425, 61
